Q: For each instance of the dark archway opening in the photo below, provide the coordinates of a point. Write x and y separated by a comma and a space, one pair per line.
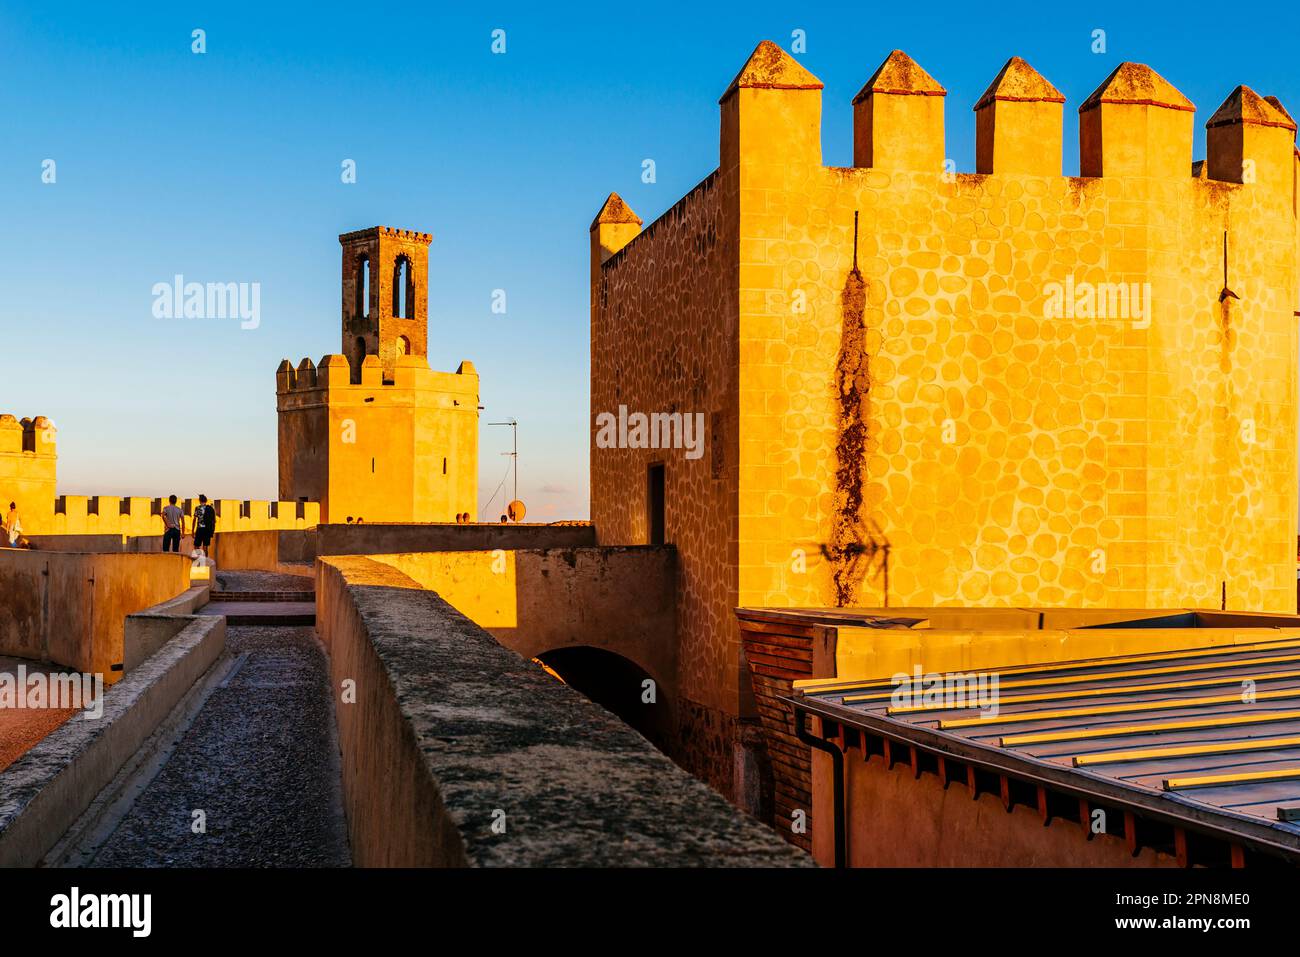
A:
618, 685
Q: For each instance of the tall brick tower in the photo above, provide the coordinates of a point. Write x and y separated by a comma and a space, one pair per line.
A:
385, 296
374, 433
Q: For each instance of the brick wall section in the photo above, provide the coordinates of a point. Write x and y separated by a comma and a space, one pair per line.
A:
778, 655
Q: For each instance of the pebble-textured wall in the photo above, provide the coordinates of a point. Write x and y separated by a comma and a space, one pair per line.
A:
1014, 458
664, 339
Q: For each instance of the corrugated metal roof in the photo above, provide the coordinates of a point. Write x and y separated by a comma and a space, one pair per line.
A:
1209, 734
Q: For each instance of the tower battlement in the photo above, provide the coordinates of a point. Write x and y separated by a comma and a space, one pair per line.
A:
35, 435
1135, 124
336, 371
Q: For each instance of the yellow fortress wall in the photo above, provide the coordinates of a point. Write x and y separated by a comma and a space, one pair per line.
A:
28, 477
1034, 389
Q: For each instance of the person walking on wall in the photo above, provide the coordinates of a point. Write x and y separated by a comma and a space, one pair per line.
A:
173, 525
205, 525
13, 527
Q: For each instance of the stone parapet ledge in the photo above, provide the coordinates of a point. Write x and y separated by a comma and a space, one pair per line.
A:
459, 752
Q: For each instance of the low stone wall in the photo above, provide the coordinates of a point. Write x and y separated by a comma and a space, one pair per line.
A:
147, 631
620, 599
298, 547
247, 550
70, 608
459, 752
386, 539
134, 544
271, 550
44, 792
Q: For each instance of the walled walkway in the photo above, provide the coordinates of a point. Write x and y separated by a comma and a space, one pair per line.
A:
259, 761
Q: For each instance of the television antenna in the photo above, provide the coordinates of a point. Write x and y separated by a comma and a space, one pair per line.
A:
514, 451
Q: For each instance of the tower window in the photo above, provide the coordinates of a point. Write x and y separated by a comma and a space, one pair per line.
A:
403, 289
655, 504
363, 286
403, 346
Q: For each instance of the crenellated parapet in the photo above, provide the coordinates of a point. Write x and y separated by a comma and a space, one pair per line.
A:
1135, 124
335, 375
142, 515
35, 435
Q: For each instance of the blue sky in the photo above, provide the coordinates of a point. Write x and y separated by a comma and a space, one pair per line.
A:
225, 167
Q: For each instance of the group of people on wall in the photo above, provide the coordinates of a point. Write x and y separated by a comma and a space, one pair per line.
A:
203, 526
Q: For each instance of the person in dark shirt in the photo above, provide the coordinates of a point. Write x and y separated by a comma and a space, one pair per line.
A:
205, 525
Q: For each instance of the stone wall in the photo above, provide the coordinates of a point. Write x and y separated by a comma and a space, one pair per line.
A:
70, 608
490, 739
616, 599
663, 339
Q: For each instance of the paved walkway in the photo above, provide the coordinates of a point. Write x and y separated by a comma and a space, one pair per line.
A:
260, 761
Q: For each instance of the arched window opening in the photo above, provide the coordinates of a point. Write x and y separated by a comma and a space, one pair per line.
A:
363, 287
403, 289
403, 346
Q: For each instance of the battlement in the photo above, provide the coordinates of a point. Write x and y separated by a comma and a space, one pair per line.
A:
1135, 124
337, 372
35, 435
389, 232
141, 515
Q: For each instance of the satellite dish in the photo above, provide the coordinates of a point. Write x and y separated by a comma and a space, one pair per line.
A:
516, 511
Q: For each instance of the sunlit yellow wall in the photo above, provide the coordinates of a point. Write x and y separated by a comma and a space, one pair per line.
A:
28, 461
405, 451
1091, 461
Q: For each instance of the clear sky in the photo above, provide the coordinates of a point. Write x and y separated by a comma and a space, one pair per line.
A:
225, 167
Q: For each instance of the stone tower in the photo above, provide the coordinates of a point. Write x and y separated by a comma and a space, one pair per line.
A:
374, 433
385, 296
880, 358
